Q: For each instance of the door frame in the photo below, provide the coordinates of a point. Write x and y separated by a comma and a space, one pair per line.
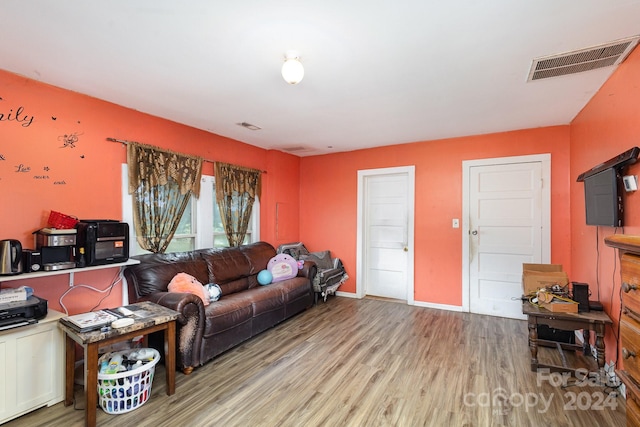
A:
410, 171
545, 160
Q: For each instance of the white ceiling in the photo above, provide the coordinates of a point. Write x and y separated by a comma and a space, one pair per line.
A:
376, 72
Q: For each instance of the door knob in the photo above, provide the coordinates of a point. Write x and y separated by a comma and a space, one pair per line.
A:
406, 249
474, 232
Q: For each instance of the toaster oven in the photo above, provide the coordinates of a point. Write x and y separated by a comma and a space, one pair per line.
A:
104, 241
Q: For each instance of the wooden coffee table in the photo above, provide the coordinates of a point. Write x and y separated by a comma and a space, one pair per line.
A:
160, 319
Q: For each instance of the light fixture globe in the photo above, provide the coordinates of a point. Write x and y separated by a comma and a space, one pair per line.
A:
292, 69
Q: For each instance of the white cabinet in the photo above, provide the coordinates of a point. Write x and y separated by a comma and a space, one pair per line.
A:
31, 367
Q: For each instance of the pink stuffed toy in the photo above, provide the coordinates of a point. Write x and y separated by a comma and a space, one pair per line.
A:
282, 267
186, 283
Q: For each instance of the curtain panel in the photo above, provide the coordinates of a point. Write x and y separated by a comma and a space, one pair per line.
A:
236, 190
161, 183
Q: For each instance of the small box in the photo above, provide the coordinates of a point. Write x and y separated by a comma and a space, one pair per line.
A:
561, 306
537, 276
13, 295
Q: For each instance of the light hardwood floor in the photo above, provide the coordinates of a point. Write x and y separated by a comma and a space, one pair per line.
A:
367, 362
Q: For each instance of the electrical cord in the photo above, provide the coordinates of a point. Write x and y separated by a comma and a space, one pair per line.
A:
116, 279
586, 380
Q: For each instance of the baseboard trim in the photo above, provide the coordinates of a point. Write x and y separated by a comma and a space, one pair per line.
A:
415, 303
446, 307
346, 294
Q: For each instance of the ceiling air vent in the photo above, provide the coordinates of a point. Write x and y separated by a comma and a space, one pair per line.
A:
294, 149
581, 60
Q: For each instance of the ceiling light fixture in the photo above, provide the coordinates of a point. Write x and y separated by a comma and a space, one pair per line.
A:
292, 69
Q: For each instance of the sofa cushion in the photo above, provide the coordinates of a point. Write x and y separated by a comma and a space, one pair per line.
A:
236, 269
265, 299
258, 254
226, 265
155, 271
228, 312
294, 288
239, 285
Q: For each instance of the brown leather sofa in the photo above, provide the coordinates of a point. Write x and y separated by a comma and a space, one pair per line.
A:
245, 309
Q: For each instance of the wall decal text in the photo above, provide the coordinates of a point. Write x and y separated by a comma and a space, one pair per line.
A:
18, 116
22, 168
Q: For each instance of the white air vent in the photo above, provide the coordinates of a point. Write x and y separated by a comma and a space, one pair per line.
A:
582, 60
294, 149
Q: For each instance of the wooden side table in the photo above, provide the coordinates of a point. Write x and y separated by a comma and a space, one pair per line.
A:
160, 319
588, 321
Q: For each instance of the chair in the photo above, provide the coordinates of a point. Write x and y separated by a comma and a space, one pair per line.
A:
331, 273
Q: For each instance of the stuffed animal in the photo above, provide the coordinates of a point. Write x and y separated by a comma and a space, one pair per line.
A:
214, 291
282, 267
186, 283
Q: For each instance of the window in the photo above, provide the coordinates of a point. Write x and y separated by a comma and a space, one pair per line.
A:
185, 236
200, 225
219, 236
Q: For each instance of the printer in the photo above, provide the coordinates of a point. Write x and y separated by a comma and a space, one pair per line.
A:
20, 313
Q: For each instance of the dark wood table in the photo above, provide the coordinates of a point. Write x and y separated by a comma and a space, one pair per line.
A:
160, 319
588, 321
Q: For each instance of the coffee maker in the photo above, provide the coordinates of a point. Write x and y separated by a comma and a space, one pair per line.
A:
57, 248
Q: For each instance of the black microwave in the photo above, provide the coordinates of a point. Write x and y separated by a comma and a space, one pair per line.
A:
104, 241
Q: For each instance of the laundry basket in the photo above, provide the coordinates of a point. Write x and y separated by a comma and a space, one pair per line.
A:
128, 390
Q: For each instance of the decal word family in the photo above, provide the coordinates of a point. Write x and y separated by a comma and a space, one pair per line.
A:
18, 116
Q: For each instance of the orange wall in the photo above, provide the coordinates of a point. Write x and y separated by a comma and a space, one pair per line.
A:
328, 205
606, 127
55, 157
312, 199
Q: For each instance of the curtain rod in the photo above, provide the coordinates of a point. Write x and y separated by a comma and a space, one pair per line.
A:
125, 142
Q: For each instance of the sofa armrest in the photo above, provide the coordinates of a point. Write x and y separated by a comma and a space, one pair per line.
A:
308, 270
184, 303
189, 326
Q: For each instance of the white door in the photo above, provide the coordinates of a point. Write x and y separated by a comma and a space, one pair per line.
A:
506, 227
385, 228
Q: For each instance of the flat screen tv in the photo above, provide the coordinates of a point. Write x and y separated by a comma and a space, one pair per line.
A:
603, 198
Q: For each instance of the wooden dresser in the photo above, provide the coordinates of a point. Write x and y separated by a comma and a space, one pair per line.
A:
629, 251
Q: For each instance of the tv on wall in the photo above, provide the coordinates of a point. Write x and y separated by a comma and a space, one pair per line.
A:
603, 198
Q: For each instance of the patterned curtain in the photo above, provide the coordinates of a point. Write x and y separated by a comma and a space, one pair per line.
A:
236, 190
161, 183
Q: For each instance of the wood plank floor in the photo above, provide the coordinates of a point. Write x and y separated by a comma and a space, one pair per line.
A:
367, 362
